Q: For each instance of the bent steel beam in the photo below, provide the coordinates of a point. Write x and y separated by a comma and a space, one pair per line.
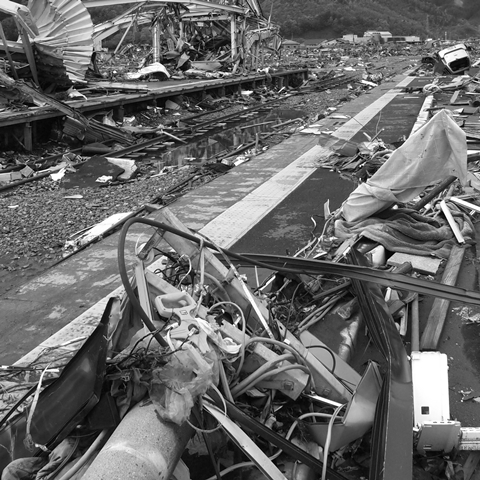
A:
392, 429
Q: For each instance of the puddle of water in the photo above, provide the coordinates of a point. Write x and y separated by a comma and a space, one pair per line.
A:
224, 138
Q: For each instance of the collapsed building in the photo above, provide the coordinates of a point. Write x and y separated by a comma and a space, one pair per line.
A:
58, 41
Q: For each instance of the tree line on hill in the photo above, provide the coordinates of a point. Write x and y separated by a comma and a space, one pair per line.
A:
334, 18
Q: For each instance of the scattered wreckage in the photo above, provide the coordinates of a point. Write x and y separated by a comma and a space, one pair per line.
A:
187, 356
454, 60
59, 44
250, 377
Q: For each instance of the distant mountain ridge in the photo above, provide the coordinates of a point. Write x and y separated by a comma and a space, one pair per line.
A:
457, 19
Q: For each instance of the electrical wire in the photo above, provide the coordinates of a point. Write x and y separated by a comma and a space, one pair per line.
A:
66, 459
279, 344
29, 442
222, 398
86, 456
322, 311
265, 368
201, 263
311, 315
224, 382
327, 307
189, 268
246, 291
290, 308
219, 286
328, 440
127, 285
272, 373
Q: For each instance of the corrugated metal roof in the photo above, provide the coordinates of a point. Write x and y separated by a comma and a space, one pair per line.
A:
65, 28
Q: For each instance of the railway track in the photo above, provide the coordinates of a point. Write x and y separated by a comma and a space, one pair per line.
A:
193, 129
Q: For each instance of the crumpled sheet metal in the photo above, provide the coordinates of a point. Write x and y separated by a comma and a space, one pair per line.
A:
392, 430
436, 151
359, 414
65, 29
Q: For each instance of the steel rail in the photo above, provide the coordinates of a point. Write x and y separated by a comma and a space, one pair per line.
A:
366, 274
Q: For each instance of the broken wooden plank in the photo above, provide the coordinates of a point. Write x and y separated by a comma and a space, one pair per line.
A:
454, 97
438, 313
91, 125
7, 52
451, 221
463, 203
470, 465
28, 50
415, 326
421, 264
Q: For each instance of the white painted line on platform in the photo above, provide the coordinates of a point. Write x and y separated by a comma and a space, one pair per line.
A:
352, 127
233, 223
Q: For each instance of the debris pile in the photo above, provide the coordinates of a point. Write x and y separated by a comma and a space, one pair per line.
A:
320, 368
319, 371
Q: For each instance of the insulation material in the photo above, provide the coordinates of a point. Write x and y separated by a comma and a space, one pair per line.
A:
434, 152
65, 32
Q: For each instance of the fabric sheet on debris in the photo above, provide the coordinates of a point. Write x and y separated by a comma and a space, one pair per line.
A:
409, 232
436, 151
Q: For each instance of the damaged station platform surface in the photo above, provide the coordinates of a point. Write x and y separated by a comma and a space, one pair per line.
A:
268, 207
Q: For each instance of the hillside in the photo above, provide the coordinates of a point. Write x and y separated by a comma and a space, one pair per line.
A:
333, 18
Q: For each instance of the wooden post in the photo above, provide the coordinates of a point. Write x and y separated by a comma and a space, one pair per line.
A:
233, 36
156, 41
27, 137
7, 51
438, 313
470, 465
415, 330
123, 37
28, 52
